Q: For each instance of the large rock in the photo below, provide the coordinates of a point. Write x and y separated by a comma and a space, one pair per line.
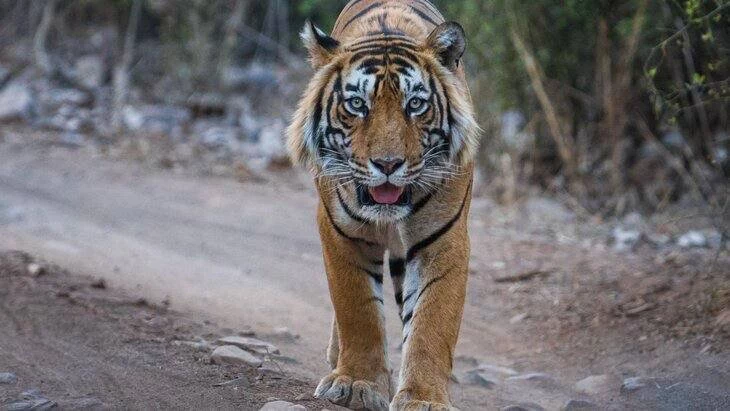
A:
250, 344
230, 354
16, 102
282, 406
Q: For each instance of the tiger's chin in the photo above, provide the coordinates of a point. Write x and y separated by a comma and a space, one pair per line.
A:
384, 204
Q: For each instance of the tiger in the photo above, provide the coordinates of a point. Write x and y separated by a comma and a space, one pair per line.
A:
387, 126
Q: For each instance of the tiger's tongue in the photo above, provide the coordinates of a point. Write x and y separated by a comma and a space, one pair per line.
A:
386, 193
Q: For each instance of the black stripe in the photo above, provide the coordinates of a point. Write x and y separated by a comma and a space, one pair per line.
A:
407, 317
342, 233
347, 209
352, 3
362, 12
375, 276
394, 39
423, 15
435, 236
428, 284
399, 298
397, 267
408, 297
375, 299
422, 202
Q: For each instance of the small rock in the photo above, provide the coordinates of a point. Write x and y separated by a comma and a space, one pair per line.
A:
196, 345
230, 354
633, 384
527, 406
497, 369
624, 239
283, 358
16, 102
594, 384
251, 344
304, 397
483, 379
7, 378
692, 239
659, 239
281, 406
518, 318
579, 405
285, 333
535, 376
35, 269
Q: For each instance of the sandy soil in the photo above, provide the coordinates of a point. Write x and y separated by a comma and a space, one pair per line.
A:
546, 294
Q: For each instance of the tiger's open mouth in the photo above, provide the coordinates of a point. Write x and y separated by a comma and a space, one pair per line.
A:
384, 194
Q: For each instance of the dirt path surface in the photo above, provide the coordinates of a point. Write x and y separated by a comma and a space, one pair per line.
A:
72, 343
549, 304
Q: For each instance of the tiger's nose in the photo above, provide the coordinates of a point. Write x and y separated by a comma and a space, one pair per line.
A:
388, 164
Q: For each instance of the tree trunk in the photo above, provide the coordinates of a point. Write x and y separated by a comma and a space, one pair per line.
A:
121, 72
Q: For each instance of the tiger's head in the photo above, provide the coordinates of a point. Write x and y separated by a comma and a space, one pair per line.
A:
385, 115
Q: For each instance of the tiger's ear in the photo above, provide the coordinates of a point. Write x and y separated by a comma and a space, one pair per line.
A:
321, 47
448, 41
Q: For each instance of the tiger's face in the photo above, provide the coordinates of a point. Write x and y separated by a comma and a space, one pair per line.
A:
385, 117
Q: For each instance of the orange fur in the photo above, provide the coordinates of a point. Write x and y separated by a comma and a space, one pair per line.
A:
427, 239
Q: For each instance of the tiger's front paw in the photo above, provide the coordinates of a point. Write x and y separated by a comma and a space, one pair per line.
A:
347, 392
404, 402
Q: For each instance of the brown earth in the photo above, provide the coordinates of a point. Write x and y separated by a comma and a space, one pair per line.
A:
84, 346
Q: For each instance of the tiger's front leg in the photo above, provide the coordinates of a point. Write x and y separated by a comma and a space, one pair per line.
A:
360, 378
433, 292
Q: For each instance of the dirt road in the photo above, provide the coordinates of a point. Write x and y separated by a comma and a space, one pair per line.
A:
247, 256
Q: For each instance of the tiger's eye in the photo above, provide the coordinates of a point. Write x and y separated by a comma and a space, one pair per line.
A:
415, 103
357, 103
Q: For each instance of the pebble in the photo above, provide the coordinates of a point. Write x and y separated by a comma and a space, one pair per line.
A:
35, 269
304, 397
281, 406
579, 405
286, 334
481, 378
230, 354
251, 344
498, 369
7, 378
692, 239
535, 376
633, 384
594, 384
528, 406
625, 239
518, 318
